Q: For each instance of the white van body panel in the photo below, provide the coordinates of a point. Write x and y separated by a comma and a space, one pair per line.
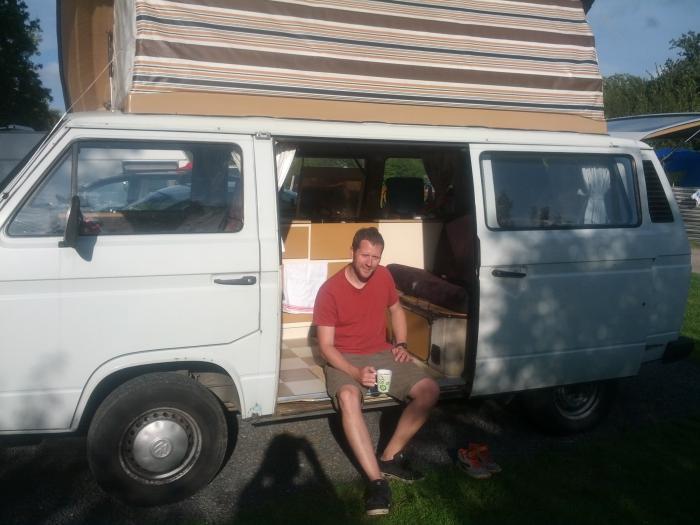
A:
670, 272
30, 299
261, 394
159, 287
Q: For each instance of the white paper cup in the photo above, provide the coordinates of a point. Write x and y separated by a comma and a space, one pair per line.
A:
383, 380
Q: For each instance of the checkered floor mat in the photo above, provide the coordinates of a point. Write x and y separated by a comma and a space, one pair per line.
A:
301, 372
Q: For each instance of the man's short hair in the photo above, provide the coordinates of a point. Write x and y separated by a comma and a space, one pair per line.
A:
367, 234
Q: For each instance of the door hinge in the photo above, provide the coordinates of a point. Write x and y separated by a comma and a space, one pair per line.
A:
263, 135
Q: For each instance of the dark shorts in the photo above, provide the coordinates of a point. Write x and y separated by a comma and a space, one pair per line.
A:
403, 377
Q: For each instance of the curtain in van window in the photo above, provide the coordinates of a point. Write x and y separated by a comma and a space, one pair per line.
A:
442, 170
597, 179
237, 161
284, 155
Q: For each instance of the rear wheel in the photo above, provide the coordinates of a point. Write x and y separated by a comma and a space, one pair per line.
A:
570, 408
157, 439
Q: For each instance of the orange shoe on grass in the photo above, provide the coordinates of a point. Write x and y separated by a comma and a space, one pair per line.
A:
484, 455
470, 463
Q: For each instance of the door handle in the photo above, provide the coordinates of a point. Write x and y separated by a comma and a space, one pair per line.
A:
246, 280
508, 273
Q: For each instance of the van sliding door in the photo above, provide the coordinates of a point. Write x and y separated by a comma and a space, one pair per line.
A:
563, 275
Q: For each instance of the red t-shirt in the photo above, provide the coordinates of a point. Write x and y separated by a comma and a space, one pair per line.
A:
359, 316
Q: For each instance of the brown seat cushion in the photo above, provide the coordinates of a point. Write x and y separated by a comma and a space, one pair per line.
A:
425, 285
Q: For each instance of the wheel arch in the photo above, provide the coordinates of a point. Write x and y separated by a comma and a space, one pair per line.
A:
225, 386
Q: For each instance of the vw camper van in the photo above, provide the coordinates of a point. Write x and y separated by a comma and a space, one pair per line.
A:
160, 250
560, 259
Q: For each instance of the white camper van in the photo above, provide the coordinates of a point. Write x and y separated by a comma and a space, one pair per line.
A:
160, 251
146, 308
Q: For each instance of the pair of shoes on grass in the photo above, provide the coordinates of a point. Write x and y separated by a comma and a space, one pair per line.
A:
476, 461
378, 495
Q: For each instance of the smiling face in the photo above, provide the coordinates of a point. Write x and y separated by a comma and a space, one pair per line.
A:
366, 259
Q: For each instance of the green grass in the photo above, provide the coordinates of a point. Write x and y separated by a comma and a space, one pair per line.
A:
645, 476
691, 323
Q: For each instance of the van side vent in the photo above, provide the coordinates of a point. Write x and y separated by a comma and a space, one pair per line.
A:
659, 208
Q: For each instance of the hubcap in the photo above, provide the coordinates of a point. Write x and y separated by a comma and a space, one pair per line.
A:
576, 401
160, 445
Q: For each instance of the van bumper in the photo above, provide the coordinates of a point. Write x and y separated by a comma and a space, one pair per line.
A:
678, 349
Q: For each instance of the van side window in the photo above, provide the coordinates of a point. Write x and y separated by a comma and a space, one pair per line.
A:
406, 188
143, 188
327, 189
545, 191
44, 213
659, 208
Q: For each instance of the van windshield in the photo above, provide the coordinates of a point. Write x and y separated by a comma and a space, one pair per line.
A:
4, 181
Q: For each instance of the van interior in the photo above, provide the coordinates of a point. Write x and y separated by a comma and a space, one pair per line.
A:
420, 198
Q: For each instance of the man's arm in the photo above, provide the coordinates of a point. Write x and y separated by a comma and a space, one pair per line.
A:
398, 326
367, 375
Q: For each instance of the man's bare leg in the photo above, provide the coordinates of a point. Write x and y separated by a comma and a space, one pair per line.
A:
424, 395
356, 431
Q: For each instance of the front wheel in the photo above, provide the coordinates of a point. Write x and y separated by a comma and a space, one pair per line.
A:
570, 408
157, 439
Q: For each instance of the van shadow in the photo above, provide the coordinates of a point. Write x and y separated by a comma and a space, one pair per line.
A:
290, 468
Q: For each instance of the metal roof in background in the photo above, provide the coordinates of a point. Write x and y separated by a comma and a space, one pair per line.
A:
644, 127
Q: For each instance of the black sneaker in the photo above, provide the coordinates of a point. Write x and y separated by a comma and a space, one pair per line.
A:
398, 468
377, 498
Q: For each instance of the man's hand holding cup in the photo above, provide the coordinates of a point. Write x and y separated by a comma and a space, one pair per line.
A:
367, 376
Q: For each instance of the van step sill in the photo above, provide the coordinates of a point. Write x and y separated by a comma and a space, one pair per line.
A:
291, 410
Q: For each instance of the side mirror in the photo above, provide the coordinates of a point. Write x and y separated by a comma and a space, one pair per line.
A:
70, 237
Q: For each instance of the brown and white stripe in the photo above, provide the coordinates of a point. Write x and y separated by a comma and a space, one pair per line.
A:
534, 55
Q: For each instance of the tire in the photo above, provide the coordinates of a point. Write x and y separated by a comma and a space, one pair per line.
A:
157, 439
571, 408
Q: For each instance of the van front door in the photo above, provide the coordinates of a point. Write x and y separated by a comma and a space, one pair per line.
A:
167, 262
562, 279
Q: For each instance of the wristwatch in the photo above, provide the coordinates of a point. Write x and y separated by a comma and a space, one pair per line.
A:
402, 345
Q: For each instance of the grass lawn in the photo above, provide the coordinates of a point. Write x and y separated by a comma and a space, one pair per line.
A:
646, 475
691, 323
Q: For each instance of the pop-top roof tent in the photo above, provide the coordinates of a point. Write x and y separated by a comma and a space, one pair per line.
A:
496, 63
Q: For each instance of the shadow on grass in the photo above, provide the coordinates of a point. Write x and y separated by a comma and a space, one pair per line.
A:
646, 476
290, 487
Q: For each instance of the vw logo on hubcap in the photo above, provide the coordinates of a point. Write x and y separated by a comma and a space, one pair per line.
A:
161, 448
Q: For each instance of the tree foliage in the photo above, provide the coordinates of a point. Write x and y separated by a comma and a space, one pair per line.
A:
674, 89
23, 99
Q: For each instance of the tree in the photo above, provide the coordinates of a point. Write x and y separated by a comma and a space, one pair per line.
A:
624, 95
23, 99
674, 88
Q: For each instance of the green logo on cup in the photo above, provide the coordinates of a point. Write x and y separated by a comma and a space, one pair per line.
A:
383, 380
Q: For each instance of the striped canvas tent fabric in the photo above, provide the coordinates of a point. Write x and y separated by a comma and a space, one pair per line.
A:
498, 63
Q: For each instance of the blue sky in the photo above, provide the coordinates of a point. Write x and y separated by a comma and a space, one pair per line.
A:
632, 36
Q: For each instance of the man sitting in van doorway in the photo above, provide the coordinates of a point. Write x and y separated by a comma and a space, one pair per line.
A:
349, 314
